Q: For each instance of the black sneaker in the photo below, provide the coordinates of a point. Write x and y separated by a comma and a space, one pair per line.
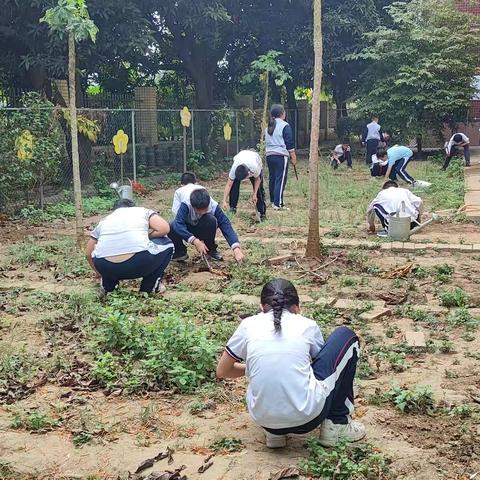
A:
233, 211
180, 258
215, 255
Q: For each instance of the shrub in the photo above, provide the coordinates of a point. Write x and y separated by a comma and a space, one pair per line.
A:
170, 352
344, 461
417, 400
454, 298
18, 177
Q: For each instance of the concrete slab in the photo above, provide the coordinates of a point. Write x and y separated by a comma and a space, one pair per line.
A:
415, 339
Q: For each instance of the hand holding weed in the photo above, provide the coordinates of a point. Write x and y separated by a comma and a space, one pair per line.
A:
238, 254
200, 246
224, 205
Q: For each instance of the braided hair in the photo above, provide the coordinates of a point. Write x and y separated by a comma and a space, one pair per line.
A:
278, 295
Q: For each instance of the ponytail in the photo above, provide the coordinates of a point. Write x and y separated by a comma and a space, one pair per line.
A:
279, 294
275, 112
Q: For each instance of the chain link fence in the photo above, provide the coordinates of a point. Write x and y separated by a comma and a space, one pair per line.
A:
35, 148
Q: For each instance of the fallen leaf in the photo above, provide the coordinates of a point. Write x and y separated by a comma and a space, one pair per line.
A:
289, 472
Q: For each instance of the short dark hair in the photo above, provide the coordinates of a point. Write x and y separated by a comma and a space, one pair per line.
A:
381, 152
200, 198
375, 116
241, 173
345, 141
188, 177
390, 183
123, 203
457, 138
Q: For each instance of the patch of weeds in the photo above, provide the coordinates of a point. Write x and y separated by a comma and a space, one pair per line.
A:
248, 278
346, 281
454, 298
34, 421
446, 346
148, 415
358, 257
461, 411
258, 251
61, 210
468, 337
443, 272
421, 272
372, 270
324, 315
80, 439
334, 232
227, 444
169, 352
416, 314
450, 374
416, 400
463, 318
396, 360
344, 462
391, 331
60, 255
364, 370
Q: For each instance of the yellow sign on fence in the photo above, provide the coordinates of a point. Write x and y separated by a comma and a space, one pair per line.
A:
120, 142
227, 132
185, 117
24, 145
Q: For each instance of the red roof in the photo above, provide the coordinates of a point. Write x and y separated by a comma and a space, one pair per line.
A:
469, 6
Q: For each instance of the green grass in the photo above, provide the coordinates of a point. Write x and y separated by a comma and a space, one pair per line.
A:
34, 421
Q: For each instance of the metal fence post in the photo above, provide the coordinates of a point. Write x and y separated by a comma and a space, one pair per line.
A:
236, 129
193, 131
134, 152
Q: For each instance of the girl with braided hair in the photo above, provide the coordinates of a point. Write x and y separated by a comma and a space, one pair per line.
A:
297, 382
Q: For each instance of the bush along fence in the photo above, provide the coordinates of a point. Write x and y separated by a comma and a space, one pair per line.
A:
35, 163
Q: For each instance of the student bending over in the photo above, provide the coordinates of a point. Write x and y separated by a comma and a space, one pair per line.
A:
247, 165
459, 140
389, 201
398, 158
340, 154
120, 248
196, 222
297, 382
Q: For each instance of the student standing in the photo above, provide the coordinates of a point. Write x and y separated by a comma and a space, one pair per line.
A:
398, 158
279, 147
371, 137
247, 165
196, 222
120, 248
340, 154
459, 140
297, 382
389, 201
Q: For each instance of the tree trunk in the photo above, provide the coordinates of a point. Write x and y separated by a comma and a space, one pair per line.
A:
264, 123
313, 241
77, 185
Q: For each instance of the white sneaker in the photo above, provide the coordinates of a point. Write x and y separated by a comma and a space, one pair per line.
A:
275, 441
275, 207
331, 433
421, 184
161, 289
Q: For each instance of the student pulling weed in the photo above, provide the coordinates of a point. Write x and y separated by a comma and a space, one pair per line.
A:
297, 381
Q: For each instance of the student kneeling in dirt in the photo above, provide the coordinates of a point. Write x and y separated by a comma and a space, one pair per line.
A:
297, 382
120, 248
390, 201
196, 222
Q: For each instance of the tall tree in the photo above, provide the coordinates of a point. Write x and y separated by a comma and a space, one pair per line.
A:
71, 18
421, 71
313, 241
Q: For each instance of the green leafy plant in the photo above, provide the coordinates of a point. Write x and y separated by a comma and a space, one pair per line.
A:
34, 421
227, 444
416, 400
248, 278
344, 462
170, 352
454, 298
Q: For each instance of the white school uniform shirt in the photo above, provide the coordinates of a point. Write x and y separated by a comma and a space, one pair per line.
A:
248, 158
125, 230
391, 200
283, 391
452, 143
182, 195
338, 149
